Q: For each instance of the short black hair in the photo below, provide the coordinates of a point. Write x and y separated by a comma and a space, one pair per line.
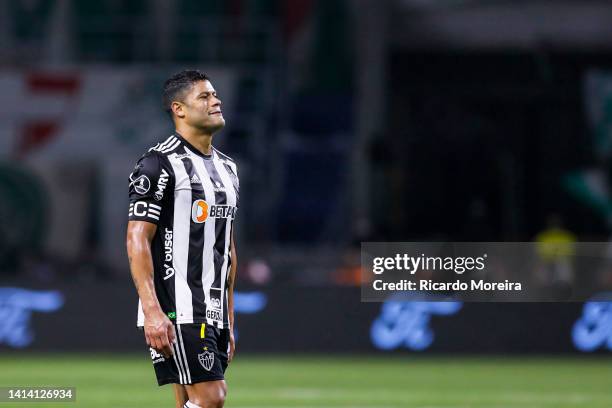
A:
176, 86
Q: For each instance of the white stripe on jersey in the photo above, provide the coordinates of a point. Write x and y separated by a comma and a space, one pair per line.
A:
208, 264
171, 147
176, 356
182, 349
231, 200
180, 247
166, 143
159, 145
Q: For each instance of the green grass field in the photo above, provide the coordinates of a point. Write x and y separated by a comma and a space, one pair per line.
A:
318, 381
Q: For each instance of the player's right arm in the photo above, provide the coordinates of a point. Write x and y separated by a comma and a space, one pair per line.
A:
146, 207
158, 329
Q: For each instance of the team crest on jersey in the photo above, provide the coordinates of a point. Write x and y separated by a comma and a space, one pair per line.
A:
141, 184
206, 359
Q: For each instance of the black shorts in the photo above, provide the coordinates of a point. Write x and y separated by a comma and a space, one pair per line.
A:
200, 354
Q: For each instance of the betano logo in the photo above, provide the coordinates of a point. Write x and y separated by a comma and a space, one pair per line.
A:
201, 211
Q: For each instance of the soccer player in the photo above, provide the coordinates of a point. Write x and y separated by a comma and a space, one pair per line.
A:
183, 200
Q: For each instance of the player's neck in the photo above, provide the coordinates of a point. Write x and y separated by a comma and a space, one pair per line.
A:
201, 141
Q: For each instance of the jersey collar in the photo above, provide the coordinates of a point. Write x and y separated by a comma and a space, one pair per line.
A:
192, 148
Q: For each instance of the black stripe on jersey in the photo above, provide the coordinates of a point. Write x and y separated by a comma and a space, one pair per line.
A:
162, 248
196, 248
229, 268
217, 289
220, 225
234, 178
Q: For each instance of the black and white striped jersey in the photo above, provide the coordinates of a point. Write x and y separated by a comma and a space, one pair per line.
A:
192, 198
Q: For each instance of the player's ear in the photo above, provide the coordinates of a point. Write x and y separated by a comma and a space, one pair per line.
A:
177, 109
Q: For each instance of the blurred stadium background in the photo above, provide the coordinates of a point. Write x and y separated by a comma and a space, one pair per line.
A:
354, 120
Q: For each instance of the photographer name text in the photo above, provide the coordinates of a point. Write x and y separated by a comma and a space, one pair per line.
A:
459, 265
428, 285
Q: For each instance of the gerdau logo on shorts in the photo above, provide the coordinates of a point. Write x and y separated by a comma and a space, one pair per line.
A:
201, 211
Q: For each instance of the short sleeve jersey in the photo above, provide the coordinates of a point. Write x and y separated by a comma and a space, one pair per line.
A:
193, 200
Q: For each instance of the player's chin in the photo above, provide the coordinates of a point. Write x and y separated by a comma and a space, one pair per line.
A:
212, 126
217, 123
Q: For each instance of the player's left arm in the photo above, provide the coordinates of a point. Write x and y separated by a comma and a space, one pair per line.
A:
230, 296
